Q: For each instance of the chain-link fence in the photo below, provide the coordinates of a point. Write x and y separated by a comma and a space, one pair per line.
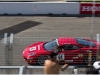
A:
11, 53
20, 43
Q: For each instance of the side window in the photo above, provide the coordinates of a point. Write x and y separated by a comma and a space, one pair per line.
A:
67, 47
64, 47
60, 48
72, 47
75, 47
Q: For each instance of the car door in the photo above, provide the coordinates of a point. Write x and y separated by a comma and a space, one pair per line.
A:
70, 54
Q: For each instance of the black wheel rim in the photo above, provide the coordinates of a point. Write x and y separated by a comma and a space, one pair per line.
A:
41, 60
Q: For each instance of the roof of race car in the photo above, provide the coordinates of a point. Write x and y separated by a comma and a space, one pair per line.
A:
67, 40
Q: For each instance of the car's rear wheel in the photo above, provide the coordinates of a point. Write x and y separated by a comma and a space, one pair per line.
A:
86, 60
41, 60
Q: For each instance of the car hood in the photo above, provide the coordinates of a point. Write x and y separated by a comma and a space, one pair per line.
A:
33, 48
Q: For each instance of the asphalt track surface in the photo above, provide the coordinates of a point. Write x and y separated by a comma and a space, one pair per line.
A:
29, 29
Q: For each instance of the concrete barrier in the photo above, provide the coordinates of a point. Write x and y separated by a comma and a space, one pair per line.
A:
16, 8
57, 8
35, 8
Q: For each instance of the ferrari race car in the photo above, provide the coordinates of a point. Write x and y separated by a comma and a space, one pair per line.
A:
70, 50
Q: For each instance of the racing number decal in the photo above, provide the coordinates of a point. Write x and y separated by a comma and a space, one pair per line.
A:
60, 57
32, 48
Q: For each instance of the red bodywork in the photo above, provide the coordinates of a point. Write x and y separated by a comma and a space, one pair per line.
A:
75, 55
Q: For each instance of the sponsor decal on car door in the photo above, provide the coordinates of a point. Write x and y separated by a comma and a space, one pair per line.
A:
72, 56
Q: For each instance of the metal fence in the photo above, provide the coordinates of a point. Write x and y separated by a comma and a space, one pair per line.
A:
11, 56
12, 48
19, 45
30, 70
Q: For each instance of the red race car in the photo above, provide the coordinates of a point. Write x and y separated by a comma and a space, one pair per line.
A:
71, 50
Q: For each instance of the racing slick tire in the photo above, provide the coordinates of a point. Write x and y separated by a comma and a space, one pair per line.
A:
41, 59
86, 60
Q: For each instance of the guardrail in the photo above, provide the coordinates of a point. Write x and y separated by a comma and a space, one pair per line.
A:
22, 69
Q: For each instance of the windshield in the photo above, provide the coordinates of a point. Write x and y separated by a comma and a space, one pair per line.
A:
85, 42
51, 45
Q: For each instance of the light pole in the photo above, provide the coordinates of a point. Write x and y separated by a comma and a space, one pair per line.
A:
91, 32
93, 19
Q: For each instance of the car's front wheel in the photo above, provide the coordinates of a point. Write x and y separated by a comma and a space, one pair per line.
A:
41, 60
86, 59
